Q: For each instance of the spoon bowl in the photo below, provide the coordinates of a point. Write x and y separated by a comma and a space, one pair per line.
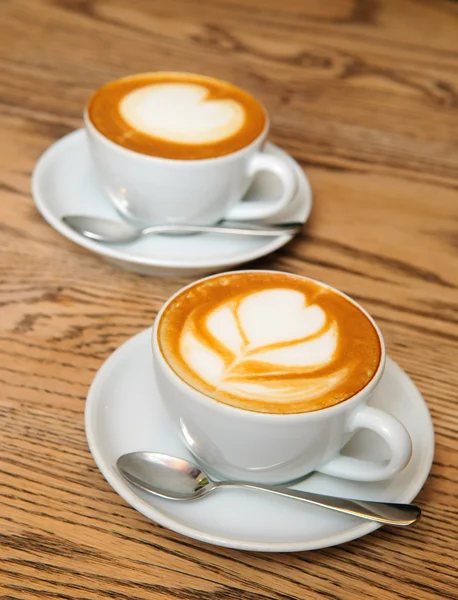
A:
177, 479
170, 477
102, 230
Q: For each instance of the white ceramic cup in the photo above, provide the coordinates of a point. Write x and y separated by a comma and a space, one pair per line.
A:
147, 189
232, 443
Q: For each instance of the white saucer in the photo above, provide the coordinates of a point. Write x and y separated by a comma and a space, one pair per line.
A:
124, 414
64, 182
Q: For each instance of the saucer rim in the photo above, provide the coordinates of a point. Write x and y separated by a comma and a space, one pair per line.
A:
127, 492
48, 156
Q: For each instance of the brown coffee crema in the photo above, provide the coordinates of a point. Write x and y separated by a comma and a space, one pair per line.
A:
107, 107
269, 342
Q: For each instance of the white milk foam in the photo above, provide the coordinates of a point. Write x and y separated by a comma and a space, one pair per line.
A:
274, 327
181, 113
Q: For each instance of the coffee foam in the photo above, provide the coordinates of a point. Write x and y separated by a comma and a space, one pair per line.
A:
276, 344
176, 115
182, 113
275, 327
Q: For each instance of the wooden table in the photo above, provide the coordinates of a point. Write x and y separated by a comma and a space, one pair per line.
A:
364, 94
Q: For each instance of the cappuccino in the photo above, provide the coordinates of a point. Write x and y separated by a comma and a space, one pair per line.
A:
269, 342
176, 115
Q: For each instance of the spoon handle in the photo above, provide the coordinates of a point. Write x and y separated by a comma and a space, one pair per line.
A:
229, 228
382, 512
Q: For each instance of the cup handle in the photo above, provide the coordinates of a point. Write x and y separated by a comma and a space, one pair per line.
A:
387, 427
262, 209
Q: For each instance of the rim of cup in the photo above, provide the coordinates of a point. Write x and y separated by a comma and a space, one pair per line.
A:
207, 400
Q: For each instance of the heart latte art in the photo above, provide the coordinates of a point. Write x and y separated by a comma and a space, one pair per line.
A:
176, 115
182, 113
269, 342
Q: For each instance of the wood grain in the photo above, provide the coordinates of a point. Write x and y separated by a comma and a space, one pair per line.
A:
364, 94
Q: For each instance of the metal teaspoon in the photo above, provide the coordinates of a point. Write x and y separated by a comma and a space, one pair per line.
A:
119, 232
177, 479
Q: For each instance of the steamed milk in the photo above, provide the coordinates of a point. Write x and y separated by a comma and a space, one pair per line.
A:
176, 115
269, 342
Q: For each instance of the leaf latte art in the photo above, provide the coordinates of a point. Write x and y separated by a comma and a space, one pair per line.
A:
269, 342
